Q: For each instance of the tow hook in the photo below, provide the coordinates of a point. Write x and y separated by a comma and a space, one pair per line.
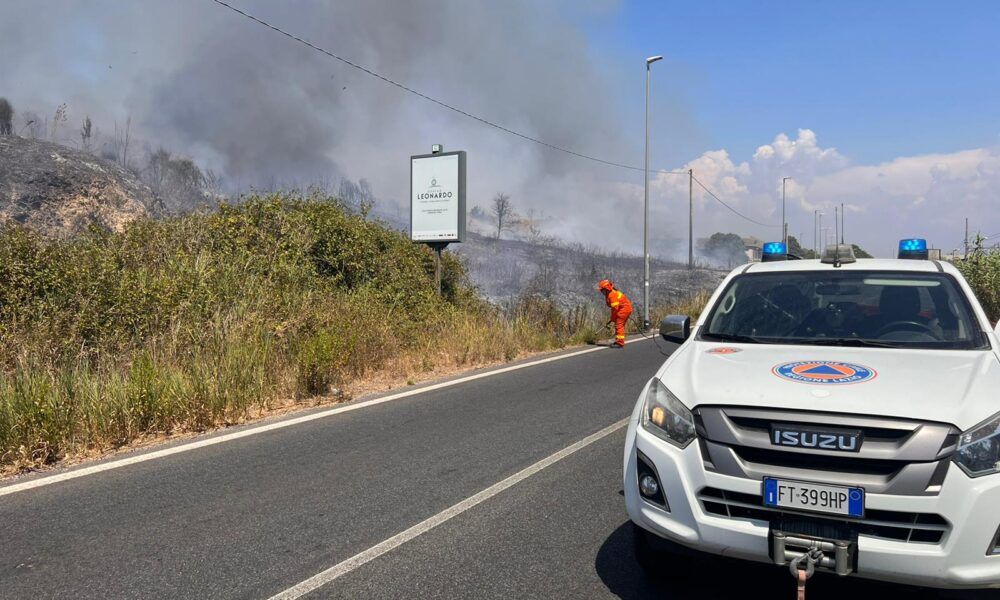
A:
803, 567
805, 564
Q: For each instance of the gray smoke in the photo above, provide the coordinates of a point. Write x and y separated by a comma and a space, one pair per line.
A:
264, 110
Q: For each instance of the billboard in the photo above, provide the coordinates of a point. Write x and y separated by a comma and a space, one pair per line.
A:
437, 197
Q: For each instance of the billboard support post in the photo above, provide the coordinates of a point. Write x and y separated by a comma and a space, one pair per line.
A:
438, 247
437, 201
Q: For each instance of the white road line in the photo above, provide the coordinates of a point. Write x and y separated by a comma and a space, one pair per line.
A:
342, 568
180, 448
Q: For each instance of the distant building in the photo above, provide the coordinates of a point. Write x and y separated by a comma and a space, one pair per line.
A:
753, 247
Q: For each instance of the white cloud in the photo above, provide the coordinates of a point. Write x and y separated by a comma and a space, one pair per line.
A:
925, 195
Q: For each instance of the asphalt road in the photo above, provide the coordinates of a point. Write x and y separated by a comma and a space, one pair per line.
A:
252, 517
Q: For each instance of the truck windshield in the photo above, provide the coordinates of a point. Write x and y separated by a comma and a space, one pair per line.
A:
846, 308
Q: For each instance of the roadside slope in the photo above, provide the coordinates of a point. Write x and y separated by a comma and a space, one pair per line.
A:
188, 323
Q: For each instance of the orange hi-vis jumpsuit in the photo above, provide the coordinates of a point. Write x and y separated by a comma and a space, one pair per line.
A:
621, 309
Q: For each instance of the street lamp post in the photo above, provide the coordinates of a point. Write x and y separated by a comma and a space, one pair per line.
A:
817, 223
645, 220
690, 218
784, 223
822, 240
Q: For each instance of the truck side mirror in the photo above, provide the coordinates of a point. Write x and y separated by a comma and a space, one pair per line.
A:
675, 328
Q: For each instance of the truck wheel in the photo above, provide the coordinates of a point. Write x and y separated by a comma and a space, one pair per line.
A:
659, 558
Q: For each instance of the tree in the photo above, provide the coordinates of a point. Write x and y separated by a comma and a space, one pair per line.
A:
121, 142
859, 252
58, 119
726, 248
503, 212
794, 247
86, 133
6, 117
357, 195
176, 181
981, 268
533, 225
214, 183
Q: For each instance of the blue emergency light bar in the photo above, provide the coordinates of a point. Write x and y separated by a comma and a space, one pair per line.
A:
774, 251
914, 248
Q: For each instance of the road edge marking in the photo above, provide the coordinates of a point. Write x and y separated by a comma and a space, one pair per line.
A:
258, 429
346, 566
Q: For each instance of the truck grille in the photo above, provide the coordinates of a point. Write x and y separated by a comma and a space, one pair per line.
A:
925, 528
767, 457
897, 456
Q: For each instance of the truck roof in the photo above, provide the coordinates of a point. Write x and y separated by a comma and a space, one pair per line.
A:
862, 264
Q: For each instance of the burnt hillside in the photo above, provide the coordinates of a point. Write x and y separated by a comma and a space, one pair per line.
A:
568, 275
59, 191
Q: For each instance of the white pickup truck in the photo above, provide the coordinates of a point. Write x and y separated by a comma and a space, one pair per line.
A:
840, 415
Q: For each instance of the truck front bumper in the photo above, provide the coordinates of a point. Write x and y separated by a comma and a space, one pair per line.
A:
961, 559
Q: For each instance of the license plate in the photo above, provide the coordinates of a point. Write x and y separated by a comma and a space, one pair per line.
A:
814, 497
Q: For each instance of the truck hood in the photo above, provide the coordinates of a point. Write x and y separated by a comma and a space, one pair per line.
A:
958, 387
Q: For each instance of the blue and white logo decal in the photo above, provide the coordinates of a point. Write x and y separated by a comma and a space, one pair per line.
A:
824, 372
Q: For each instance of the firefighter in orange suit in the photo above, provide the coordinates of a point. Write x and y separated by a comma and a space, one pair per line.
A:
621, 309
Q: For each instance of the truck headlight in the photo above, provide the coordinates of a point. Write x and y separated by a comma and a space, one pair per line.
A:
665, 417
979, 449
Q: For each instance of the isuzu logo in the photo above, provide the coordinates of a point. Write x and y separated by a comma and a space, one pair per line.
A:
843, 440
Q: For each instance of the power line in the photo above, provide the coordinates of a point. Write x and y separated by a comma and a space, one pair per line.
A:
736, 212
465, 113
450, 107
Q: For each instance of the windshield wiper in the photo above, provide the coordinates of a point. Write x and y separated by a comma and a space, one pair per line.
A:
727, 337
855, 342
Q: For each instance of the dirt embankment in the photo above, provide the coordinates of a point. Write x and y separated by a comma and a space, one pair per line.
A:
59, 191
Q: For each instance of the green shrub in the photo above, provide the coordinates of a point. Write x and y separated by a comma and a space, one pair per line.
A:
322, 359
188, 322
982, 271
194, 321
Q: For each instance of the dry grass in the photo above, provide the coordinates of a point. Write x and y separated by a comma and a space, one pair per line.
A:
982, 271
181, 325
185, 324
691, 306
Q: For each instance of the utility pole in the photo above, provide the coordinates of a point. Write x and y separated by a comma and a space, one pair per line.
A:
645, 205
815, 233
784, 223
966, 257
836, 227
822, 240
690, 218
841, 222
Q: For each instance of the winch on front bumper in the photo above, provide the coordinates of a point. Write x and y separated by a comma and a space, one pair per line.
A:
837, 556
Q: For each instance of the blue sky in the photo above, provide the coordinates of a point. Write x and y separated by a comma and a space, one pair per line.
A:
876, 80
